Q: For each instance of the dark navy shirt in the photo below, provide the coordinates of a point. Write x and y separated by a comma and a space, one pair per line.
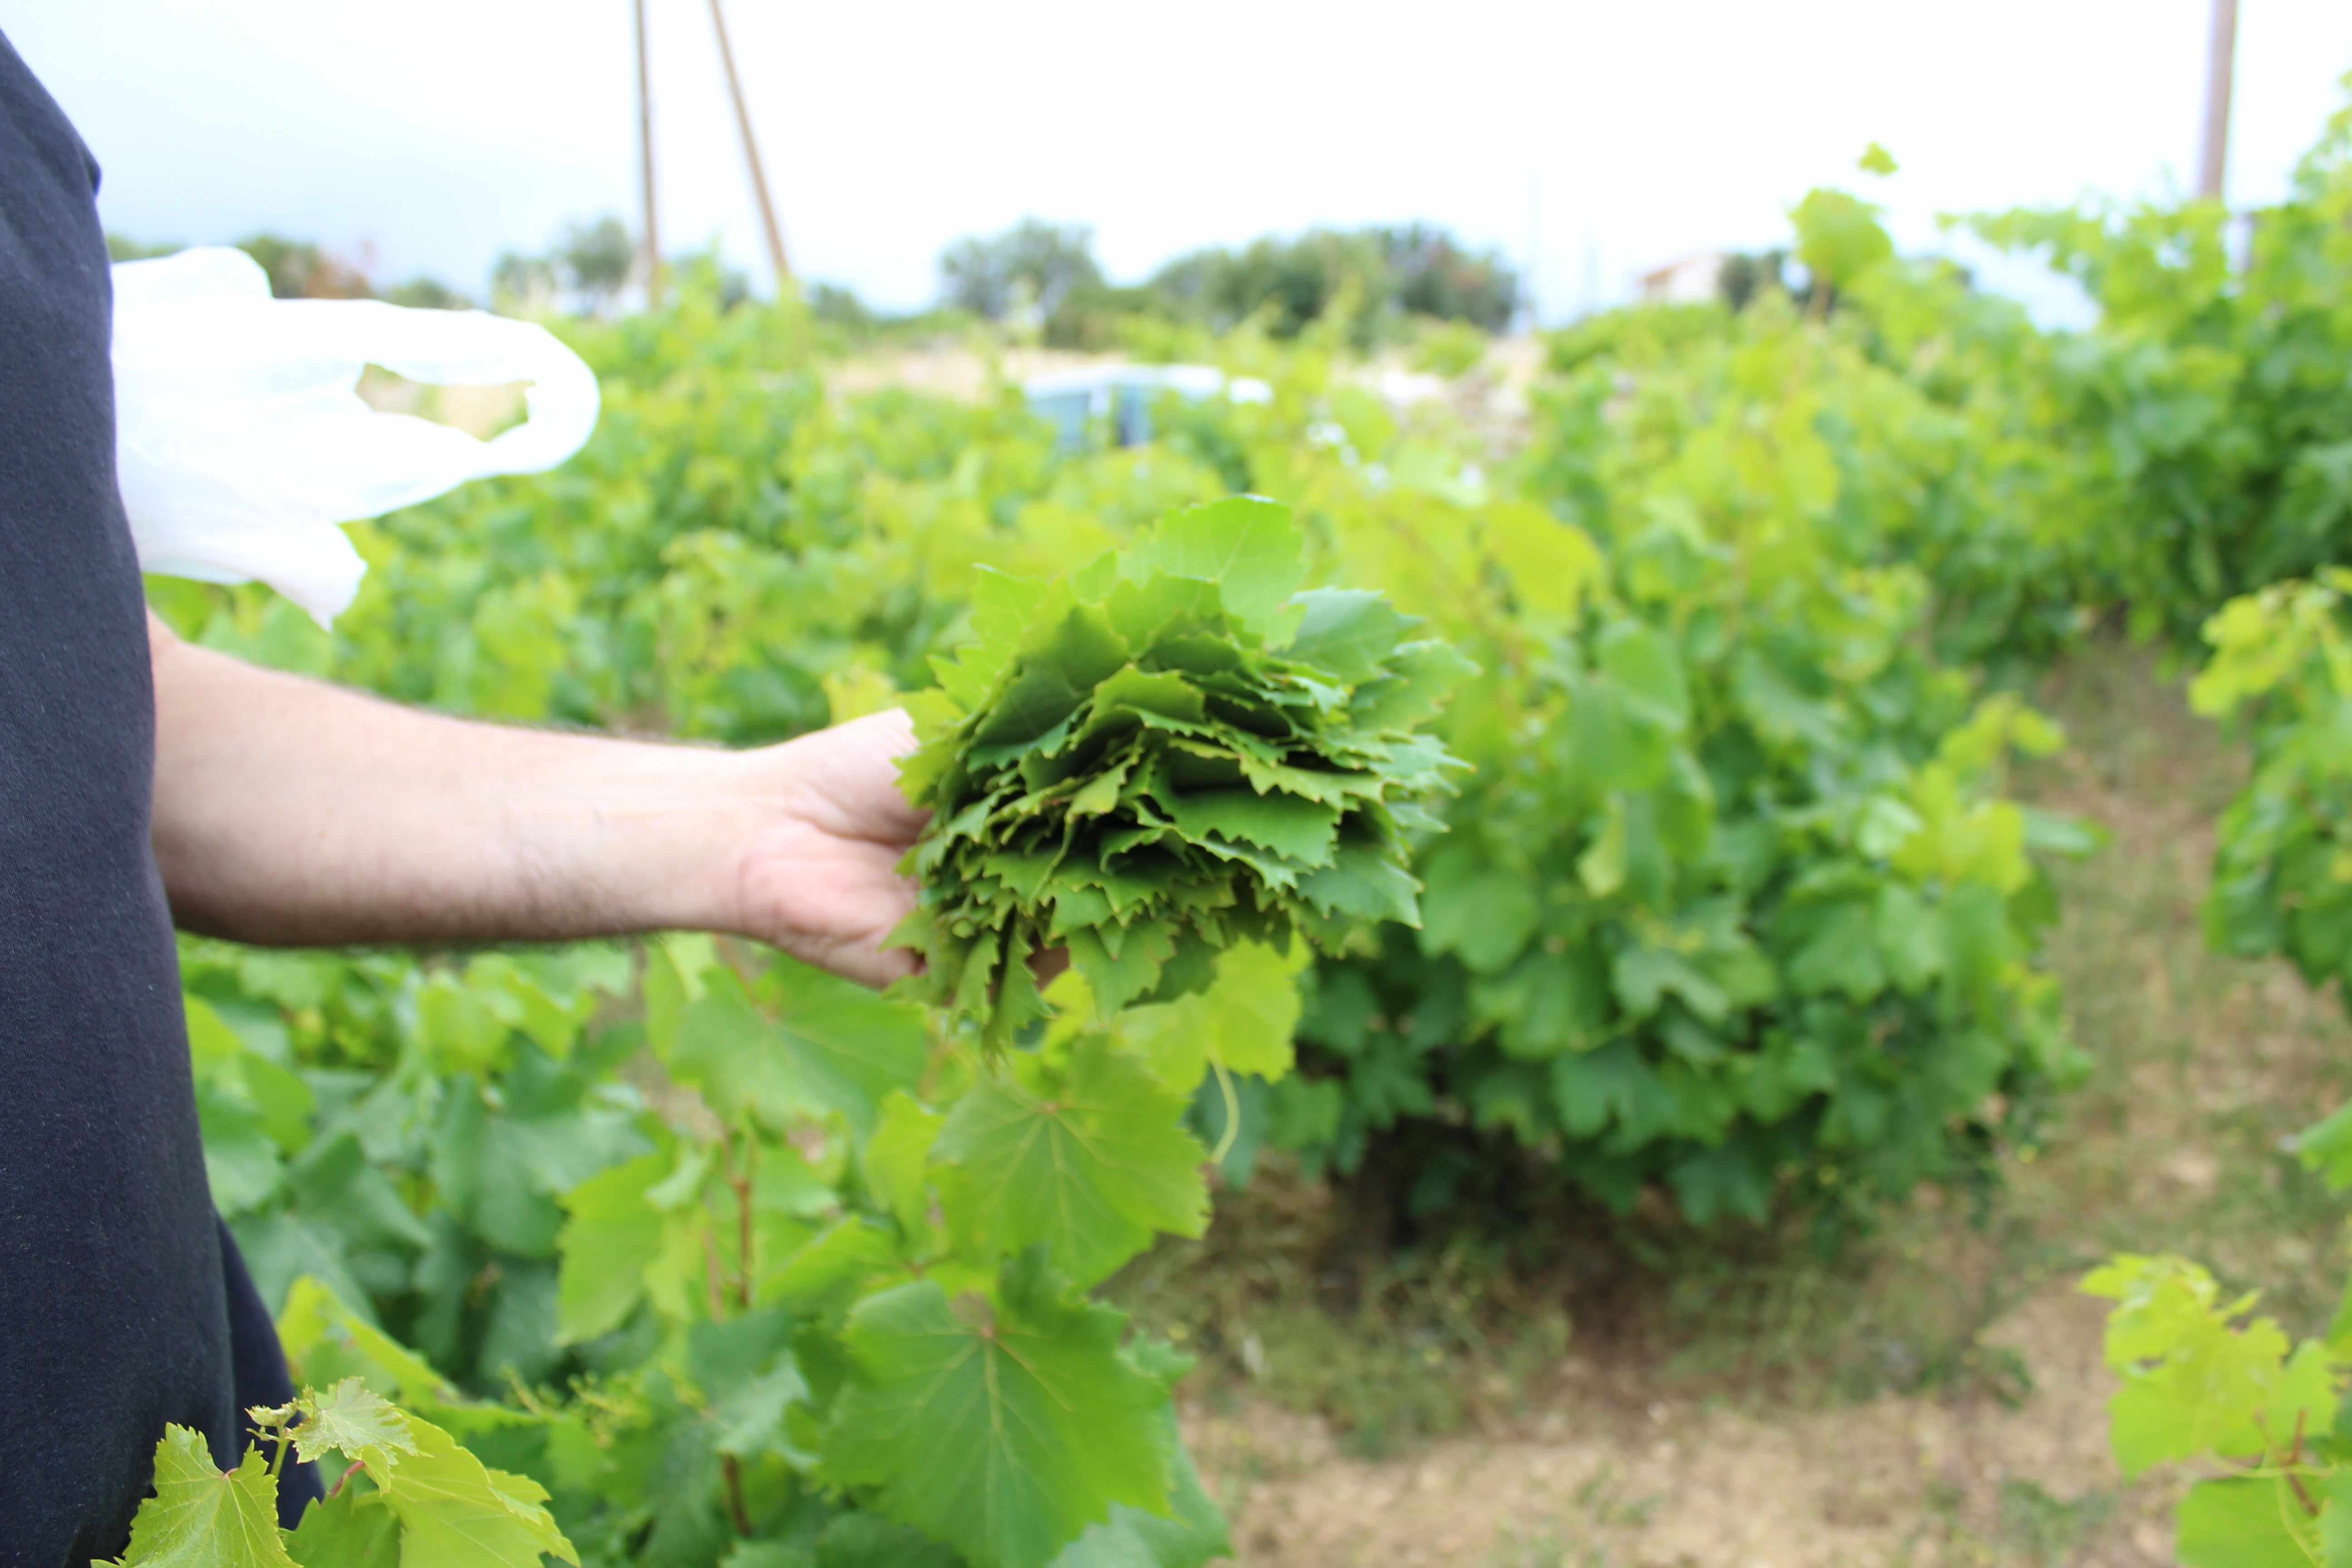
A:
123, 1303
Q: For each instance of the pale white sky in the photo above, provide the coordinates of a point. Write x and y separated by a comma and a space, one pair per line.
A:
1591, 139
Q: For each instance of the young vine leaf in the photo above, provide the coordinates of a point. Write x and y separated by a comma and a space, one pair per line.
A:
409, 1493
200, 1515
1170, 752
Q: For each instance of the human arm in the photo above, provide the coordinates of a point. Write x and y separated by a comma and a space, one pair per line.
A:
291, 811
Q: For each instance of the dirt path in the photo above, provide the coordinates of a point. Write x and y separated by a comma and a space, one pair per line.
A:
1888, 1480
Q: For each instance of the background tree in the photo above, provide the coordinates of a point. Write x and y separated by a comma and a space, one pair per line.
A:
1034, 264
1414, 269
596, 258
426, 293
1744, 273
1431, 274
300, 269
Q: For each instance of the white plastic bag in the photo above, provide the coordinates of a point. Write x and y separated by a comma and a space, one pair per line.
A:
241, 442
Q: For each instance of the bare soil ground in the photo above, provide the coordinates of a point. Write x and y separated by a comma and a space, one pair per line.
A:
1697, 1479
1936, 1398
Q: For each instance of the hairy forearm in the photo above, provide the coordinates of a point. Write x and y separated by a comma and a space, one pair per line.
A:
292, 812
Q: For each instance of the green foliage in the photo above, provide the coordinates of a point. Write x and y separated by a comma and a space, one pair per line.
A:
1031, 270
1450, 349
1734, 906
1902, 428
1174, 751
2282, 661
2208, 405
405, 1490
716, 1252
1731, 901
1839, 237
1007, 1428
201, 1515
2203, 1379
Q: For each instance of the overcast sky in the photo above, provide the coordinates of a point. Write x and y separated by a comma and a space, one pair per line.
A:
1589, 141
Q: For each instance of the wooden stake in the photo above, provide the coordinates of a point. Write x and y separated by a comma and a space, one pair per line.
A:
751, 150
652, 236
2215, 165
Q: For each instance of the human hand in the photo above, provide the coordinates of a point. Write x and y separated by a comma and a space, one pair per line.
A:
819, 878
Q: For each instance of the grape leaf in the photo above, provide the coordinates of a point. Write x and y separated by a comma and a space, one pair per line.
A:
1003, 1430
894, 1158
1089, 1163
612, 1234
351, 1419
455, 1512
1246, 1019
2244, 1524
350, 1530
1245, 545
1363, 885
831, 1047
1346, 632
1191, 1534
200, 1517
746, 1369
1301, 830
869, 1541
1143, 785
324, 1338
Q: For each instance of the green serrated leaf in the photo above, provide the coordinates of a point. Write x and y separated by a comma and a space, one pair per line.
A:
2245, 1524
352, 1420
1145, 814
350, 1530
1364, 884
1246, 1019
1299, 829
830, 1047
895, 1158
200, 1517
1001, 1430
1089, 1164
455, 1512
612, 1234
1348, 632
1245, 545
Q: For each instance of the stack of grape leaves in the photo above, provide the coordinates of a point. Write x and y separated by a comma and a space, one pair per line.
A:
1169, 752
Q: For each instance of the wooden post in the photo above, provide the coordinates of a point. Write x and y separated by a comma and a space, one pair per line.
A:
750, 151
652, 235
2214, 168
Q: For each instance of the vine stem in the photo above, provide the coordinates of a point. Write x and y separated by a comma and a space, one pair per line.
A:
735, 1510
710, 1277
344, 1479
742, 1185
728, 1466
2292, 1465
